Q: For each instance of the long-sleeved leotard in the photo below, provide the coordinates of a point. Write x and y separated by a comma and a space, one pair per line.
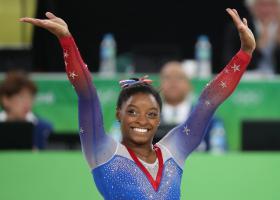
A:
96, 145
183, 139
117, 172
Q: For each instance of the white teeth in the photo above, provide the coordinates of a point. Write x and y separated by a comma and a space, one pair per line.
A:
141, 130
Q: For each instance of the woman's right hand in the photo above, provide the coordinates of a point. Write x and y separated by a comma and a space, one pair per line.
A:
248, 42
54, 24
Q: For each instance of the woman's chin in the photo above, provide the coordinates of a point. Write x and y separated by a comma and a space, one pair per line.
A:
140, 140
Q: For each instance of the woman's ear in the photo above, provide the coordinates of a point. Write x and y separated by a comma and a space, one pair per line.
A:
118, 114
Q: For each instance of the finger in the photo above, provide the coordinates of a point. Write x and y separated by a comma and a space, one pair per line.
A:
233, 16
29, 20
24, 19
245, 21
229, 11
235, 11
50, 15
37, 22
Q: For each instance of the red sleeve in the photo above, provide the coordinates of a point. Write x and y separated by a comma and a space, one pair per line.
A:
227, 80
183, 139
76, 69
96, 145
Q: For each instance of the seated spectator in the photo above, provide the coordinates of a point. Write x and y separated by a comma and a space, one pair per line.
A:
264, 22
17, 94
176, 91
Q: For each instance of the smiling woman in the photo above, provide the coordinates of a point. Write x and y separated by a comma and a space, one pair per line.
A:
134, 168
138, 110
139, 116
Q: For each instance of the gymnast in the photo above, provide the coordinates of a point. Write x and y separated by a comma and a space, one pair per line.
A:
134, 168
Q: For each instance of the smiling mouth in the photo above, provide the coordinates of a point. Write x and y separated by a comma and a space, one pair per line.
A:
140, 130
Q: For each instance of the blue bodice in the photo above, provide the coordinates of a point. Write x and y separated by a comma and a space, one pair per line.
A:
121, 178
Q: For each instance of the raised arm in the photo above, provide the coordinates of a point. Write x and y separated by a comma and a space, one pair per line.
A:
96, 145
183, 139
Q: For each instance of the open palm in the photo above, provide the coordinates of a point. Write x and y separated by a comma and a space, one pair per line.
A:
248, 43
54, 24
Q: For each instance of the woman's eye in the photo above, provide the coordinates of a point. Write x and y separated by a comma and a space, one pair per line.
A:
132, 112
152, 115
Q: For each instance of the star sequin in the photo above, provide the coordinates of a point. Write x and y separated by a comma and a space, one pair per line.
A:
187, 130
235, 67
65, 63
73, 75
66, 54
81, 131
207, 103
223, 84
226, 71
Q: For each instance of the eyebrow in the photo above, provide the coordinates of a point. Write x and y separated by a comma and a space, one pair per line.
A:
132, 105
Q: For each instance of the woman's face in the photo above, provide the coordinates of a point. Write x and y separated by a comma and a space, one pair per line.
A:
18, 105
139, 117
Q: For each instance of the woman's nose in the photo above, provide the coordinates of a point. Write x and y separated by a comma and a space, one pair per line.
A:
142, 119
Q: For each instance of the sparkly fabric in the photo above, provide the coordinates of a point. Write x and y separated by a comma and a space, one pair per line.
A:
117, 176
96, 145
122, 179
183, 139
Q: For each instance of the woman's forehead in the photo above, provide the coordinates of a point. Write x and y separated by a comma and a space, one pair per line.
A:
142, 99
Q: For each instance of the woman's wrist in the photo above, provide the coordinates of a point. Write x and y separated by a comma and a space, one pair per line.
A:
63, 35
249, 52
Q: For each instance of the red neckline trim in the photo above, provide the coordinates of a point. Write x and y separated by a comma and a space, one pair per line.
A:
154, 183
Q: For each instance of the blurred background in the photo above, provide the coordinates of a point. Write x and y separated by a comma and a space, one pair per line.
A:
41, 159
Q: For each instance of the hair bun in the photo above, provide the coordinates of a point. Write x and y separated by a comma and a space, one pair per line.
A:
132, 81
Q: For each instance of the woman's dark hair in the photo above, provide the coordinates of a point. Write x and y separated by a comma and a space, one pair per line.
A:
14, 82
138, 87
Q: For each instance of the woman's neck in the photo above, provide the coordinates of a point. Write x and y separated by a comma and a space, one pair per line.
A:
145, 152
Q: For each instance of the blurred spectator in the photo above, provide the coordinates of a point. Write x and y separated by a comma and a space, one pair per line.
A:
178, 102
264, 23
17, 94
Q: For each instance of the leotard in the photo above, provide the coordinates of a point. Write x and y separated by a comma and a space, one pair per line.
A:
117, 172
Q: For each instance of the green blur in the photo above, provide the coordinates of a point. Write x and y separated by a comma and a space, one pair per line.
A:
65, 176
